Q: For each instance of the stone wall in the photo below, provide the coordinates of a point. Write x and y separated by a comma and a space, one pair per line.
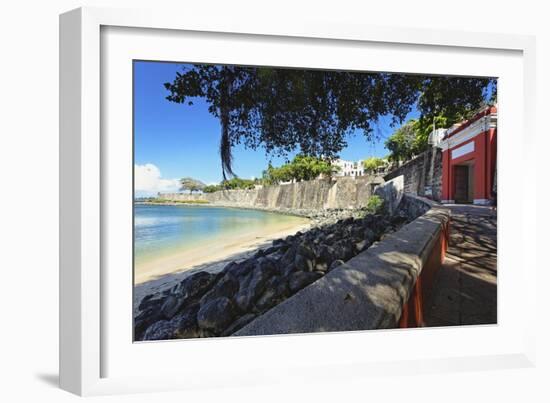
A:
417, 173
338, 193
392, 192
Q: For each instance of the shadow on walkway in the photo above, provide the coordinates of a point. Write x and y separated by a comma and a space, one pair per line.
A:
465, 290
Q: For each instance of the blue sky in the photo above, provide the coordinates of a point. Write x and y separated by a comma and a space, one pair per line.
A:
175, 140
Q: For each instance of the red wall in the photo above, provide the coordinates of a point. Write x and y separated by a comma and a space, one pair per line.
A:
416, 308
484, 159
446, 181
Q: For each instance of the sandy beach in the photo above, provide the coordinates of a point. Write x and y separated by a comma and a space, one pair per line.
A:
161, 272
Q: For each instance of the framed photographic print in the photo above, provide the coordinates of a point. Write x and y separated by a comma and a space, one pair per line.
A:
237, 198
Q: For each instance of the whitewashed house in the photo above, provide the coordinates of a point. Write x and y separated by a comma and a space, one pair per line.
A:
349, 168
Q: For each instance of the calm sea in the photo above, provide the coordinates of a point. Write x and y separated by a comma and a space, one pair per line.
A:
160, 230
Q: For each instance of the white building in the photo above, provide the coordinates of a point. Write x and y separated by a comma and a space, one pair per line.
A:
349, 168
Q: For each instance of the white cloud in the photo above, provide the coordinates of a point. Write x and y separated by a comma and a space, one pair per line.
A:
148, 180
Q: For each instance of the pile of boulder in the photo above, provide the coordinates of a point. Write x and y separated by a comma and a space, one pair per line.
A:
218, 304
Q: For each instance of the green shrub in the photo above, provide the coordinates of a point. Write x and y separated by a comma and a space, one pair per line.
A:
211, 188
375, 205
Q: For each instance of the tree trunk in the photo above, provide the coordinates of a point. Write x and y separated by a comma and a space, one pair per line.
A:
225, 141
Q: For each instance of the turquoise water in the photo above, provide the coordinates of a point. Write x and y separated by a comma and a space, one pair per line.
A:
160, 230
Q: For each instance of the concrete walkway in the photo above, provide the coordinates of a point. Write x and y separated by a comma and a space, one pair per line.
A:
465, 289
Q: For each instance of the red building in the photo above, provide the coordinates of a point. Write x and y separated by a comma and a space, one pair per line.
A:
469, 160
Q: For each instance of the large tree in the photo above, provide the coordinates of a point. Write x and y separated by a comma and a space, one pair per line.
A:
313, 110
190, 184
401, 143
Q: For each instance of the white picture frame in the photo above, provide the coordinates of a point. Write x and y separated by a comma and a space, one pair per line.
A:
85, 345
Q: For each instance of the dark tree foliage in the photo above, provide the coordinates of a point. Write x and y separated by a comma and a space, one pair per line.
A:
454, 97
313, 110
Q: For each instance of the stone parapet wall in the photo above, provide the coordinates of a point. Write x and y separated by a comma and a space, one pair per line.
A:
338, 193
382, 287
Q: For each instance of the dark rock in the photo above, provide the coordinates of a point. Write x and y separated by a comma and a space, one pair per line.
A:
243, 269
321, 267
289, 269
357, 231
191, 310
172, 305
203, 333
317, 250
343, 250
243, 300
346, 232
161, 330
251, 289
263, 271
283, 291
361, 245
355, 239
275, 257
216, 315
335, 264
399, 219
265, 263
290, 239
267, 299
154, 301
368, 219
194, 286
186, 326
303, 263
244, 281
183, 325
270, 250
306, 251
300, 279
227, 287
238, 324
344, 221
276, 290
369, 235
327, 253
145, 319
228, 268
279, 243
288, 257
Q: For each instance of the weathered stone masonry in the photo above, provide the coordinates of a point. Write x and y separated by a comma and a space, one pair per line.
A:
419, 175
338, 193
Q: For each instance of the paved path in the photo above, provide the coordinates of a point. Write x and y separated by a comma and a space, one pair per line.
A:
465, 290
